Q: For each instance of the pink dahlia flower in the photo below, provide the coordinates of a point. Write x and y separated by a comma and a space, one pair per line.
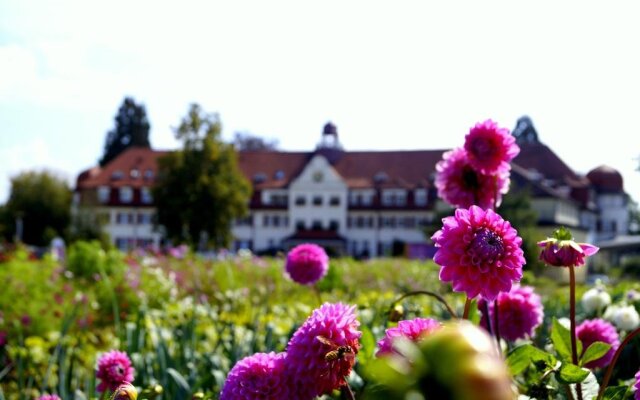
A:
520, 313
598, 330
460, 185
479, 253
490, 148
307, 263
637, 386
257, 377
114, 369
414, 330
49, 397
561, 251
322, 351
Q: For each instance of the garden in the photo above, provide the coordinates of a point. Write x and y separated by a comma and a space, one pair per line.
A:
474, 323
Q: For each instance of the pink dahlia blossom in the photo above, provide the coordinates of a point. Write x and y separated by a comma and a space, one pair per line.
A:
257, 377
322, 351
520, 312
479, 253
114, 369
460, 185
598, 330
637, 386
490, 148
561, 251
414, 330
307, 263
49, 397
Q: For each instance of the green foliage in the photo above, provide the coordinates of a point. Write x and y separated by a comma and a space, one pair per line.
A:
200, 189
87, 226
131, 130
88, 259
42, 201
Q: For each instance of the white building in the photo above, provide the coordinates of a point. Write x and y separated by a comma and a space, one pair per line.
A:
359, 203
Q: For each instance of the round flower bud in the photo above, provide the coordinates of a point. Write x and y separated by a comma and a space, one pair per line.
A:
307, 263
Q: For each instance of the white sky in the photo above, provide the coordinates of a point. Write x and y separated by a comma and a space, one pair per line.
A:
390, 75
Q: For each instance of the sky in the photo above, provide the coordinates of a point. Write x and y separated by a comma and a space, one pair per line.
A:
390, 75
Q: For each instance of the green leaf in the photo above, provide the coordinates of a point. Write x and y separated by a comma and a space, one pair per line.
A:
561, 339
522, 356
179, 379
368, 346
615, 392
571, 373
594, 352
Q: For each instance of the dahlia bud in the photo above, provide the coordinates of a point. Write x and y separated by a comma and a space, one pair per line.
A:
562, 251
126, 391
396, 313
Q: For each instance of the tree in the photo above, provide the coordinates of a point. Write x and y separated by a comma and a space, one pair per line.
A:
39, 207
247, 142
200, 189
131, 129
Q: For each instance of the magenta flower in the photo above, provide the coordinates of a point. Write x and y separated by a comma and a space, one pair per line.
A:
561, 251
322, 351
637, 386
520, 313
479, 253
460, 185
114, 369
257, 377
307, 263
490, 148
49, 397
414, 330
598, 330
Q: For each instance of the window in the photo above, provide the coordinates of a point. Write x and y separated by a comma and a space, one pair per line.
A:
300, 225
334, 201
126, 194
420, 197
279, 199
275, 220
317, 200
265, 220
334, 225
394, 198
134, 173
117, 175
316, 224
148, 175
144, 219
103, 194
301, 200
245, 221
145, 195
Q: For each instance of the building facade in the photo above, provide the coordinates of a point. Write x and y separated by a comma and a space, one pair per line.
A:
362, 203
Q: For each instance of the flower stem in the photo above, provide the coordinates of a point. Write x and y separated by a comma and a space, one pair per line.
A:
467, 307
347, 392
607, 375
318, 296
572, 311
496, 324
427, 293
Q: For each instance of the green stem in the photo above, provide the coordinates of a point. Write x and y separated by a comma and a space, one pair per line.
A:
607, 375
467, 307
427, 293
572, 311
347, 392
496, 324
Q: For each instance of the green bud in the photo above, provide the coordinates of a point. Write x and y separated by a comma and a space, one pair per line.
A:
396, 313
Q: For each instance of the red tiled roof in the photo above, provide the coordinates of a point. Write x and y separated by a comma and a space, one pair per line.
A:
135, 158
538, 157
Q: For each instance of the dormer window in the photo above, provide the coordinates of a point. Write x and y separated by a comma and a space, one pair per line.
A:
134, 173
126, 194
279, 175
260, 177
103, 194
148, 174
420, 197
117, 175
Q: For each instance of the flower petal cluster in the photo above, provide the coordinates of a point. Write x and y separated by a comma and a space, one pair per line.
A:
460, 185
626, 318
520, 312
490, 148
598, 330
595, 299
479, 253
414, 330
126, 391
114, 369
49, 397
309, 364
562, 251
307, 263
260, 377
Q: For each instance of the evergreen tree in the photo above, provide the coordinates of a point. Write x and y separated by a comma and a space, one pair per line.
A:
39, 207
200, 189
131, 129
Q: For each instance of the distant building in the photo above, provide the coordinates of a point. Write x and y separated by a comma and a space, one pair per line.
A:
360, 203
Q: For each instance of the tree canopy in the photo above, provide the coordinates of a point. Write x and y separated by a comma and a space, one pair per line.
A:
41, 203
131, 129
200, 189
244, 141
